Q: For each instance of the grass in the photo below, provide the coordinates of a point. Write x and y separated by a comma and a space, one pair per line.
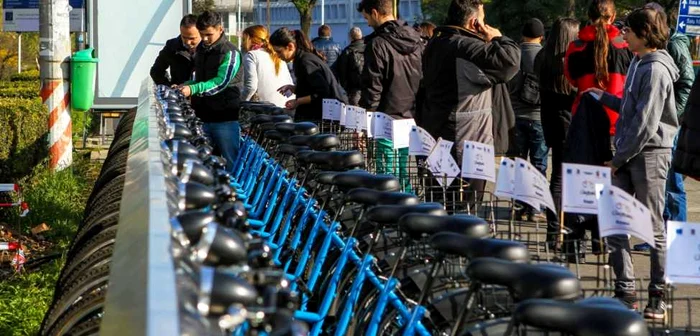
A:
57, 199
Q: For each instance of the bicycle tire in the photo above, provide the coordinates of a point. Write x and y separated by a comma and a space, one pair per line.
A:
114, 158
98, 214
84, 309
112, 190
110, 174
120, 144
101, 240
83, 285
97, 259
95, 227
115, 184
90, 327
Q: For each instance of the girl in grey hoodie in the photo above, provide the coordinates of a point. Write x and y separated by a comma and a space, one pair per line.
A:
645, 131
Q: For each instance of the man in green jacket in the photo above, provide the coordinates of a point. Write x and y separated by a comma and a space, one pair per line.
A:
215, 90
679, 49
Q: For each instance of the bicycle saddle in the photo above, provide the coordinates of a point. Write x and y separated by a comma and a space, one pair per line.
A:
525, 281
351, 180
218, 290
180, 131
176, 118
319, 142
275, 135
262, 108
326, 177
418, 225
269, 126
472, 248
179, 146
191, 223
392, 213
588, 317
335, 161
373, 197
265, 118
220, 246
300, 128
290, 149
198, 172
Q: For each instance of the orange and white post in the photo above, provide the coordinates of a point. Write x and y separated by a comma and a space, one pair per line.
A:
54, 56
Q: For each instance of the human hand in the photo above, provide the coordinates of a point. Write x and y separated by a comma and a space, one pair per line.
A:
291, 104
186, 91
286, 90
613, 169
490, 32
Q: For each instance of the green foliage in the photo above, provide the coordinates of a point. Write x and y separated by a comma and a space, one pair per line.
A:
25, 76
57, 199
26, 298
201, 6
24, 92
23, 130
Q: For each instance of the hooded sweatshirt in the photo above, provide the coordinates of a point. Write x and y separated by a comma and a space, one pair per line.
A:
392, 70
647, 109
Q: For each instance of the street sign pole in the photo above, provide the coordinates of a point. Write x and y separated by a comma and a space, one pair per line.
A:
54, 58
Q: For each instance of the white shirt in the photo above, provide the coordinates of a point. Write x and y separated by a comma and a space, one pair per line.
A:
260, 77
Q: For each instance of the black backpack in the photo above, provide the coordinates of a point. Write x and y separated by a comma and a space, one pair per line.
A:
530, 87
357, 63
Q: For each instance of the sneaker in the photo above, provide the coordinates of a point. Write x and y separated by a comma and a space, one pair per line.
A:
628, 299
656, 308
644, 247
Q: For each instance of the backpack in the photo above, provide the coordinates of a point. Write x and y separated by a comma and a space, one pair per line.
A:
530, 87
357, 63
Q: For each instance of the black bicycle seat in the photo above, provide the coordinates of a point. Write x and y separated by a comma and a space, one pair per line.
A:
197, 195
334, 161
599, 317
418, 225
200, 173
525, 281
388, 214
260, 119
371, 197
351, 180
290, 149
223, 289
319, 142
300, 128
176, 118
472, 248
262, 108
270, 126
221, 246
180, 131
180, 146
275, 135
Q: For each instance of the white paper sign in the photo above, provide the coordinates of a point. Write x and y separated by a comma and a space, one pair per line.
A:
367, 124
505, 183
531, 187
683, 253
478, 161
343, 113
579, 187
332, 109
351, 117
621, 214
442, 164
382, 125
420, 142
401, 131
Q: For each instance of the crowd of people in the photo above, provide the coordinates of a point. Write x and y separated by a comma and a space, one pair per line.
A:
611, 92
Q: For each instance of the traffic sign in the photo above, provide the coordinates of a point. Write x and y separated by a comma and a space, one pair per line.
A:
689, 17
23, 15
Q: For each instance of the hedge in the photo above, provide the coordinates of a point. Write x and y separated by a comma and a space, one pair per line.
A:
25, 92
23, 135
31, 75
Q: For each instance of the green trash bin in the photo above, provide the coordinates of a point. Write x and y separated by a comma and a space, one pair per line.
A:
83, 75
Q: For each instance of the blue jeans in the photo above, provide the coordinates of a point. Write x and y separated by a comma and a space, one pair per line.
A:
676, 208
529, 142
225, 138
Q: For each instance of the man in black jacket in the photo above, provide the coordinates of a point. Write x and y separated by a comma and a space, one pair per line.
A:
391, 75
178, 55
463, 62
348, 67
216, 93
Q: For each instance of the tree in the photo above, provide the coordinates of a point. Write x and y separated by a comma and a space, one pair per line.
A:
201, 6
306, 9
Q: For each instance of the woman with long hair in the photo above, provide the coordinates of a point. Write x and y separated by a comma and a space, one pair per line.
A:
599, 58
647, 126
315, 80
557, 97
264, 70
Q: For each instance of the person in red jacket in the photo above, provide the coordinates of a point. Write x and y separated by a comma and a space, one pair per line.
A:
599, 58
